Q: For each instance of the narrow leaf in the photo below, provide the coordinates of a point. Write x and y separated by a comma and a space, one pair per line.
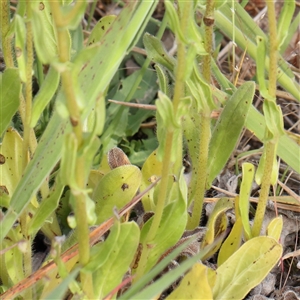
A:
228, 129
10, 86
274, 229
232, 242
248, 175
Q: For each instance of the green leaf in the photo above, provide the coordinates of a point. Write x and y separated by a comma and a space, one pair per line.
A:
46, 208
157, 52
168, 122
287, 148
246, 268
152, 290
284, 22
100, 28
290, 34
174, 21
10, 86
228, 129
44, 34
191, 133
172, 225
107, 56
45, 94
116, 189
45, 158
201, 91
246, 186
165, 110
163, 79
245, 34
113, 269
68, 160
20, 46
73, 14
260, 69
151, 170
274, 120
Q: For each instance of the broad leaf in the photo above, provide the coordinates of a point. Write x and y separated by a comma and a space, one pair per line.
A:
246, 268
194, 285
115, 190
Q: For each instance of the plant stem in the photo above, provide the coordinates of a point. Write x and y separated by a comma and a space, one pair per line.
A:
273, 48
28, 87
270, 145
163, 192
209, 22
204, 124
27, 257
178, 92
6, 40
74, 111
265, 188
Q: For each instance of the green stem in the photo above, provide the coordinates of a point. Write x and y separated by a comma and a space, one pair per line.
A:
273, 48
209, 22
269, 145
73, 108
265, 188
163, 192
28, 87
204, 124
6, 40
27, 257
178, 92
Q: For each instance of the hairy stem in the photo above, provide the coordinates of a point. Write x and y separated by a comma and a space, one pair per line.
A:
178, 93
6, 40
265, 188
74, 111
204, 123
209, 22
27, 257
270, 145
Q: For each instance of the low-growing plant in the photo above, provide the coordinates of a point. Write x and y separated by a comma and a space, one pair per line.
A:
61, 173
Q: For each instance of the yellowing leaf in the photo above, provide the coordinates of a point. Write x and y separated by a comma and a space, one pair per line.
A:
11, 152
232, 242
275, 227
248, 175
246, 268
151, 170
194, 285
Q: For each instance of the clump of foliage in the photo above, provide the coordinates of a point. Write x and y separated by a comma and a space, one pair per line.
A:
55, 178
